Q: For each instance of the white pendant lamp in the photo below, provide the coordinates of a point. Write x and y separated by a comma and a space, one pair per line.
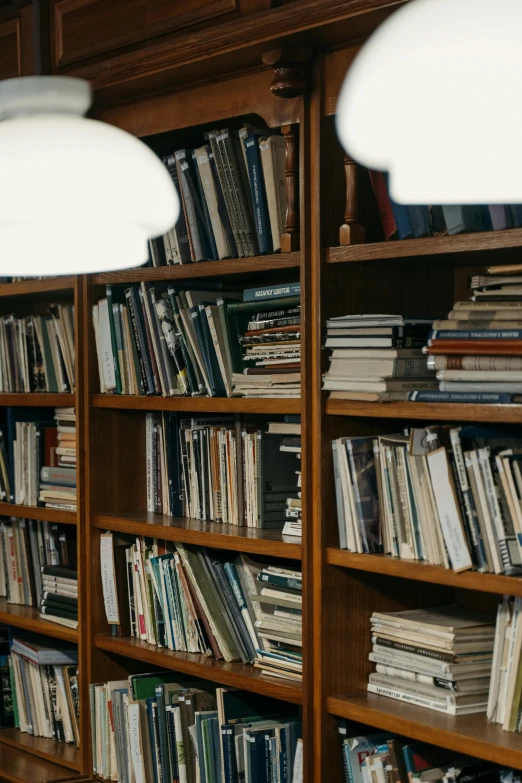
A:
76, 195
434, 97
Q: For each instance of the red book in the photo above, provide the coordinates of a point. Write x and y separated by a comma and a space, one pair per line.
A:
389, 225
479, 347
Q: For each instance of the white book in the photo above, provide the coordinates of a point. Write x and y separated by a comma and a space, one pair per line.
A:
424, 701
297, 776
106, 354
272, 153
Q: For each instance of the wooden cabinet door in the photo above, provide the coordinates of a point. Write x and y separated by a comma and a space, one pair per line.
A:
19, 48
88, 28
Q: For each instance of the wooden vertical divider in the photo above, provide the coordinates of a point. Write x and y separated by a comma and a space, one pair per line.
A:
290, 240
351, 232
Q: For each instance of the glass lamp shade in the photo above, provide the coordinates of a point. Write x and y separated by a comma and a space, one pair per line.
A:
433, 97
76, 195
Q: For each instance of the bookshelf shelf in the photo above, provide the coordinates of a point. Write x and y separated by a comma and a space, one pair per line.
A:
235, 266
423, 572
29, 619
21, 766
31, 287
59, 752
272, 405
38, 512
236, 675
469, 734
37, 399
430, 246
193, 531
429, 411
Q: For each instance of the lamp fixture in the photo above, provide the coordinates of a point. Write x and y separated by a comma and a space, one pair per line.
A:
433, 98
76, 195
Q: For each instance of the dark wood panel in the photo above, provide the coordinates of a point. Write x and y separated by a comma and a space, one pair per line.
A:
10, 49
61, 752
423, 572
37, 286
18, 766
28, 618
235, 266
84, 28
211, 534
468, 734
237, 675
197, 404
428, 411
38, 512
37, 399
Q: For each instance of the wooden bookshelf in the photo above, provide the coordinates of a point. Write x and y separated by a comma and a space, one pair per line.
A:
21, 766
38, 512
37, 399
466, 734
32, 287
271, 405
28, 618
427, 411
234, 675
60, 752
209, 534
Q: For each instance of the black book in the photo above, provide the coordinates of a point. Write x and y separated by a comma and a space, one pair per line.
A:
206, 215
147, 380
181, 225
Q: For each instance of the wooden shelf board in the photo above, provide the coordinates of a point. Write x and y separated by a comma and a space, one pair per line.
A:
433, 411
429, 246
28, 618
59, 752
37, 399
21, 766
423, 572
38, 286
236, 675
470, 734
272, 405
234, 266
38, 512
211, 534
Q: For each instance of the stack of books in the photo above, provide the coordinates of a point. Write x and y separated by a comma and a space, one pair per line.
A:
59, 602
218, 469
30, 548
504, 704
191, 730
477, 351
436, 658
37, 352
280, 631
376, 358
400, 221
44, 683
233, 196
450, 496
58, 477
381, 755
267, 326
197, 600
290, 428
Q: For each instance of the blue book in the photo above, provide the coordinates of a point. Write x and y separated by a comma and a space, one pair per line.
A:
401, 215
473, 334
463, 218
206, 215
492, 398
229, 753
515, 213
271, 292
258, 191
217, 378
420, 220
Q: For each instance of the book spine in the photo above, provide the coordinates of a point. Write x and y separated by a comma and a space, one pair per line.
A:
483, 334
198, 249
224, 179
222, 208
213, 252
139, 339
420, 221
259, 200
421, 701
401, 215
181, 226
412, 649
272, 292
500, 398
112, 326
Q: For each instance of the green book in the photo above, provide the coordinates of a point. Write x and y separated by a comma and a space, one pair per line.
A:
143, 686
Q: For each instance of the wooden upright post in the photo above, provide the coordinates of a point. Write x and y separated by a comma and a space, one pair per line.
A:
351, 232
290, 239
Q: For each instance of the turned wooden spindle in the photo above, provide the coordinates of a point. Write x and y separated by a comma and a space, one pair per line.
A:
289, 74
290, 239
351, 232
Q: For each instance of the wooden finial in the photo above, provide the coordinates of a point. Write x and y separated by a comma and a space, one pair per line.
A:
290, 239
289, 76
351, 232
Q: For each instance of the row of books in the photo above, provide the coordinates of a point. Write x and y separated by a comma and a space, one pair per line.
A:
400, 221
38, 568
37, 351
43, 684
233, 198
377, 358
382, 757
448, 495
476, 351
197, 600
154, 339
39, 465
230, 469
159, 727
